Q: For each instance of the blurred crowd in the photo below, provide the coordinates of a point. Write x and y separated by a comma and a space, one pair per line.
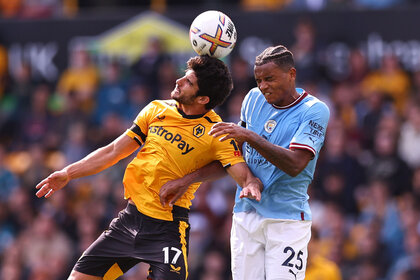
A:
365, 196
31, 9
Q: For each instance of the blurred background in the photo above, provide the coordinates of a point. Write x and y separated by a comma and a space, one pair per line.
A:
74, 74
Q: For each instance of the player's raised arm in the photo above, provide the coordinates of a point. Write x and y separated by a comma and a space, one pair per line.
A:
93, 163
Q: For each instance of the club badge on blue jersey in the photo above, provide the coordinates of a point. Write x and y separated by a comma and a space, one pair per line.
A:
270, 125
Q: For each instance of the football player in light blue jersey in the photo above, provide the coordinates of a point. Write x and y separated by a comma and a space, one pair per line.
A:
282, 130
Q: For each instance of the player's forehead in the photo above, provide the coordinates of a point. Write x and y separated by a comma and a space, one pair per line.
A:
267, 69
190, 75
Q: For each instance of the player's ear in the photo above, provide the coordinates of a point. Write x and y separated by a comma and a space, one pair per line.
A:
203, 100
292, 73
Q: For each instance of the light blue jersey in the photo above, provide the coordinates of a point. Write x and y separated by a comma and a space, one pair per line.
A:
300, 125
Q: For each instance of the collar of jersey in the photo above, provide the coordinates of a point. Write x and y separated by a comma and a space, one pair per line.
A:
189, 116
302, 96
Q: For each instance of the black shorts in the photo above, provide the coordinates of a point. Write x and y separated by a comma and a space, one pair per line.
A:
134, 237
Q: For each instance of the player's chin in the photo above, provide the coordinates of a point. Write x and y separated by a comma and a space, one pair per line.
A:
174, 95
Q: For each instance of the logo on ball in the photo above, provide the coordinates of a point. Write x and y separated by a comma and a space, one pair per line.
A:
213, 33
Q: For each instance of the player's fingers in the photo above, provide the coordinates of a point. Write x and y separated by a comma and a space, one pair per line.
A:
256, 194
224, 138
218, 125
40, 184
244, 193
43, 190
163, 196
216, 132
176, 197
49, 193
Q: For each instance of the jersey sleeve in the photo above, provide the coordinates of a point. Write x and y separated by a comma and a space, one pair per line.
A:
227, 152
311, 133
138, 131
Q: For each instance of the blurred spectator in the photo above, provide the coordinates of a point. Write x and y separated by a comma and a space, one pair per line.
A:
344, 97
75, 142
264, 5
36, 166
359, 67
10, 8
391, 80
370, 111
415, 79
79, 82
11, 265
37, 120
4, 74
166, 76
339, 173
213, 266
383, 162
112, 92
44, 241
8, 180
304, 51
380, 213
139, 95
146, 69
242, 76
23, 85
319, 267
40, 8
408, 147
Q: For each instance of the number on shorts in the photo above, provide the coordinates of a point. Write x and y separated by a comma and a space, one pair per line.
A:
166, 254
288, 262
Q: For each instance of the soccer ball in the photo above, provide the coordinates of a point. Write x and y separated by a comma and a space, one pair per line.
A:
213, 33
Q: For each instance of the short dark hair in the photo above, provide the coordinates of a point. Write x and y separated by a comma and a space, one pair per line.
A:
213, 78
280, 55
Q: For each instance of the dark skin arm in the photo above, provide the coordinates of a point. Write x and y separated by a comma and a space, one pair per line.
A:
292, 162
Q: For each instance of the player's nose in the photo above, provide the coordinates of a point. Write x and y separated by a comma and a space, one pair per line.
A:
262, 86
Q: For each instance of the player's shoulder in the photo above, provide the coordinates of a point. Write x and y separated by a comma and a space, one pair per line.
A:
255, 92
212, 117
315, 103
253, 95
164, 103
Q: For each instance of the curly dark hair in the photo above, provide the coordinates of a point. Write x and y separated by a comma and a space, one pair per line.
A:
213, 78
280, 55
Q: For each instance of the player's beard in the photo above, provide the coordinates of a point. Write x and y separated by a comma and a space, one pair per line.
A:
184, 100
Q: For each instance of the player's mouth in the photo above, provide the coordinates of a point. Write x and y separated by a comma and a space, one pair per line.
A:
266, 94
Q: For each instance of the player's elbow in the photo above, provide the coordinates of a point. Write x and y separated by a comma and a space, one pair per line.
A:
295, 170
293, 173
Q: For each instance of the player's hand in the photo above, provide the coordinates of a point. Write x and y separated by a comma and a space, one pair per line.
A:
252, 191
229, 130
52, 183
171, 191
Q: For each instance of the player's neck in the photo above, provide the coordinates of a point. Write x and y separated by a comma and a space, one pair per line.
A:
192, 110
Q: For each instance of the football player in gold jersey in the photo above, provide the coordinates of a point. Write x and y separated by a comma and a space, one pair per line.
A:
175, 142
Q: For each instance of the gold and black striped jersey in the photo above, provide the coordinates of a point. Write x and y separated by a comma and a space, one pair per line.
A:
174, 145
